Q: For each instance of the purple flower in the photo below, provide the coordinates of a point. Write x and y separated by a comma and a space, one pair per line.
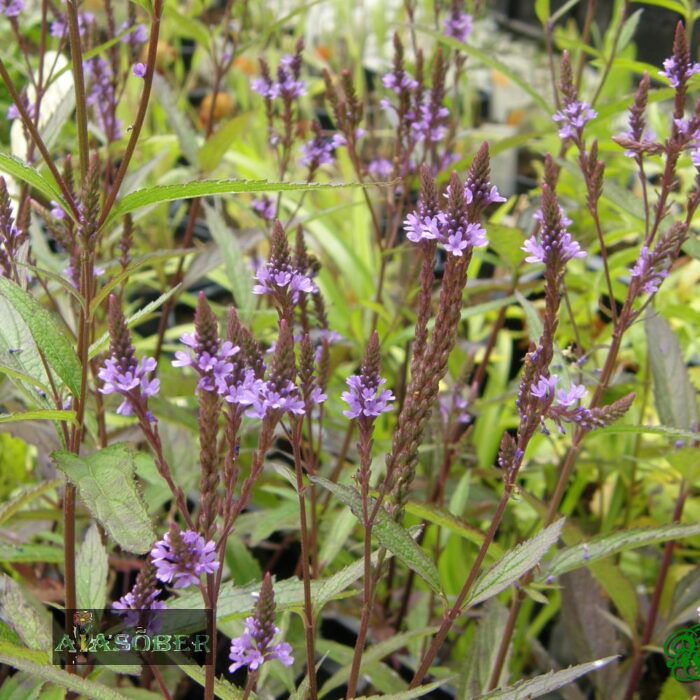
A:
380, 169
317, 152
573, 118
182, 557
414, 228
483, 196
568, 398
366, 397
209, 360
644, 269
11, 8
264, 207
290, 281
678, 72
59, 27
535, 250
544, 388
455, 243
399, 81
252, 650
268, 399
139, 70
132, 382
554, 241
458, 25
138, 36
57, 212
454, 405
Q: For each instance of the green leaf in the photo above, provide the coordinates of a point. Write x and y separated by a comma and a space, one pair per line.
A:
580, 555
237, 270
15, 167
374, 654
674, 394
50, 339
26, 553
222, 688
207, 188
542, 11
21, 686
186, 136
102, 343
389, 533
24, 660
409, 694
491, 62
106, 485
547, 683
29, 494
211, 153
26, 615
92, 569
507, 242
443, 518
514, 564
68, 416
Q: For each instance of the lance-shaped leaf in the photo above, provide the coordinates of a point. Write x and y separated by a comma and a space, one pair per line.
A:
49, 338
15, 167
106, 485
92, 569
514, 564
581, 555
389, 533
674, 395
549, 682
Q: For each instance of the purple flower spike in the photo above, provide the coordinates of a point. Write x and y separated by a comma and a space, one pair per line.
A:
458, 25
678, 71
366, 397
573, 118
255, 646
181, 557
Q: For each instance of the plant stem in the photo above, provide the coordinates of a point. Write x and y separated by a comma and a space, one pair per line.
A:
308, 604
79, 84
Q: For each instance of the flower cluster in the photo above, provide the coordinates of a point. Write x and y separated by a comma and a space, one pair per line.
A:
573, 118
286, 85
143, 596
181, 557
59, 27
278, 277
454, 407
255, 646
458, 24
555, 242
366, 398
380, 169
454, 235
11, 8
679, 69
318, 151
544, 389
650, 278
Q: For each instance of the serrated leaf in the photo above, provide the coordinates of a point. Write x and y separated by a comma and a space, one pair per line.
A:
409, 694
581, 555
237, 271
514, 564
29, 494
49, 338
31, 662
222, 688
547, 683
48, 414
105, 482
15, 167
207, 188
92, 569
674, 394
389, 533
26, 615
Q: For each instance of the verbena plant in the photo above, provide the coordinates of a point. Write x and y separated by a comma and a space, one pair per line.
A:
277, 347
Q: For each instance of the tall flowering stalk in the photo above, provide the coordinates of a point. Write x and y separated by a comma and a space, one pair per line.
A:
366, 400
